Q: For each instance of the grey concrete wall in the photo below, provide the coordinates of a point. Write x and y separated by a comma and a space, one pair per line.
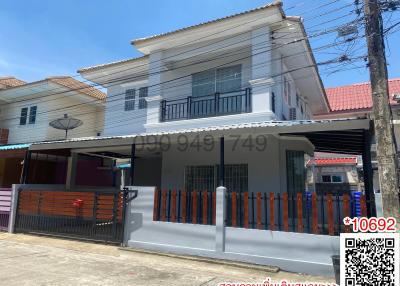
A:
295, 252
142, 231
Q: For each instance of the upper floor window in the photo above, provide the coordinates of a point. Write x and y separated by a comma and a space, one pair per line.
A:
143, 92
32, 115
130, 95
221, 80
24, 115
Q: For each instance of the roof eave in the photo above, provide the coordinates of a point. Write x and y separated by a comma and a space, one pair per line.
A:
299, 20
277, 4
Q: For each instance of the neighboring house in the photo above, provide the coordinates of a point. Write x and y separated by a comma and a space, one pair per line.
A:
226, 103
327, 173
355, 100
26, 109
7, 82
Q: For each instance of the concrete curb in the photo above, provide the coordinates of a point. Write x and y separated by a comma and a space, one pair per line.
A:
272, 269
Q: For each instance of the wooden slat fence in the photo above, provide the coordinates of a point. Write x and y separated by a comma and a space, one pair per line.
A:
302, 212
5, 207
196, 207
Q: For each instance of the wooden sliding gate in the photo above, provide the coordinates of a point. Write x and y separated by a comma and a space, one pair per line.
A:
86, 214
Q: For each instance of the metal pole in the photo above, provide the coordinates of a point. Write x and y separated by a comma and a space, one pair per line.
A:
133, 151
25, 168
222, 162
386, 147
368, 177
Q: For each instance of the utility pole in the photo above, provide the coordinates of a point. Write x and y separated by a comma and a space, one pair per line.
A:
386, 146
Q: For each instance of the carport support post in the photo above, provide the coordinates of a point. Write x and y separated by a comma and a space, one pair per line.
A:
368, 175
222, 161
71, 171
220, 201
133, 151
25, 167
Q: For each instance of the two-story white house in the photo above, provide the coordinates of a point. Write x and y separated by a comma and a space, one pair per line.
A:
214, 123
255, 66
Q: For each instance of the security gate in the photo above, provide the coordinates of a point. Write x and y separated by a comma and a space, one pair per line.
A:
5, 206
86, 214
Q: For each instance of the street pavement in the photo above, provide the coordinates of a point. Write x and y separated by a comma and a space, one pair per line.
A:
38, 260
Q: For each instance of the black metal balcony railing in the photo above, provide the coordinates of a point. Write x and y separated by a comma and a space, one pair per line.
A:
217, 104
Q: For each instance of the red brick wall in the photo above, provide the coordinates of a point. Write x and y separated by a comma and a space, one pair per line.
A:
3, 136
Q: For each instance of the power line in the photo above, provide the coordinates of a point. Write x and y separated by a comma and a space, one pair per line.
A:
159, 84
284, 20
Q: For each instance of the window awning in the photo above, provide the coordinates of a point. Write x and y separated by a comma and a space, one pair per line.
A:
13, 151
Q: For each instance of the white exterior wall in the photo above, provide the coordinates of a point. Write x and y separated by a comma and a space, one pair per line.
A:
285, 106
117, 120
48, 109
266, 169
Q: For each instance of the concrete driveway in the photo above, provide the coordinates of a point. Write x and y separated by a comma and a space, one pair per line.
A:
34, 260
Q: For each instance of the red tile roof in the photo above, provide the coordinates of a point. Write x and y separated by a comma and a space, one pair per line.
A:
333, 161
357, 96
10, 81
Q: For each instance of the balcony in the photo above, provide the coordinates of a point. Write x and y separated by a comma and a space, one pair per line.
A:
217, 104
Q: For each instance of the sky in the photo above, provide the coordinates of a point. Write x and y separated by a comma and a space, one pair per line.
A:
46, 38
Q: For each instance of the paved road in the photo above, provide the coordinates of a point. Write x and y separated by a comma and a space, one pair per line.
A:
33, 260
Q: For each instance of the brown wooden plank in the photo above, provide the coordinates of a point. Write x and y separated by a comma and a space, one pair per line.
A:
363, 205
214, 207
173, 206
183, 204
300, 227
246, 209
314, 206
205, 210
285, 210
163, 204
271, 211
234, 209
346, 210
331, 225
259, 211
194, 207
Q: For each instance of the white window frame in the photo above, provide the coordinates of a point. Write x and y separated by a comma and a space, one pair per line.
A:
142, 102
214, 81
28, 115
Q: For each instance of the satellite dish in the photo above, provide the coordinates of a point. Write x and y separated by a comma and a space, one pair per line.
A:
66, 123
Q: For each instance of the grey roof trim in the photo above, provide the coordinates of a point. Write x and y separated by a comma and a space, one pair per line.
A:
107, 65
300, 125
277, 4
